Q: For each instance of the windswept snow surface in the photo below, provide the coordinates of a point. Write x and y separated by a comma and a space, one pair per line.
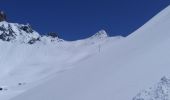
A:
97, 68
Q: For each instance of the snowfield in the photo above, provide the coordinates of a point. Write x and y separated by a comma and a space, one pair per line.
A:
97, 68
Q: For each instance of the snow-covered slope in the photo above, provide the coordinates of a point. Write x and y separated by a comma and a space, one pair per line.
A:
28, 59
96, 68
115, 71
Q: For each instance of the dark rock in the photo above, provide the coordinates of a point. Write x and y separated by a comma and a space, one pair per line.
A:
2, 16
27, 28
22, 83
7, 33
52, 34
32, 41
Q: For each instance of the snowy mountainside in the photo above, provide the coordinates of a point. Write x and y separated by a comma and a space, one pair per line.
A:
16, 32
28, 59
118, 72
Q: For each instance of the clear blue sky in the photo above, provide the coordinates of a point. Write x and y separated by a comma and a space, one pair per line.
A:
76, 19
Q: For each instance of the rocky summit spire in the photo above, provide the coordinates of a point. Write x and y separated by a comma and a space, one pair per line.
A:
2, 16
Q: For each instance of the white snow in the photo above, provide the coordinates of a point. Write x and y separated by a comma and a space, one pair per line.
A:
96, 68
24, 65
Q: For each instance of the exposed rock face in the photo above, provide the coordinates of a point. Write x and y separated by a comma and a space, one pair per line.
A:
18, 32
2, 16
13, 32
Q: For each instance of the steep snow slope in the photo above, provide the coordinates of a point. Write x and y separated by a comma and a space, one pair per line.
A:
118, 72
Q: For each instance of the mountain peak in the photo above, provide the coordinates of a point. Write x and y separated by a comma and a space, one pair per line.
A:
100, 35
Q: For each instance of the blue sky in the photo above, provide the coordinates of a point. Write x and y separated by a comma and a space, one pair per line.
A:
76, 19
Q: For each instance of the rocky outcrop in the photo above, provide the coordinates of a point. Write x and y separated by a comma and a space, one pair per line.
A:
18, 32
161, 91
2, 16
53, 35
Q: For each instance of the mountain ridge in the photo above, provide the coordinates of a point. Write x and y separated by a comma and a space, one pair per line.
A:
25, 34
